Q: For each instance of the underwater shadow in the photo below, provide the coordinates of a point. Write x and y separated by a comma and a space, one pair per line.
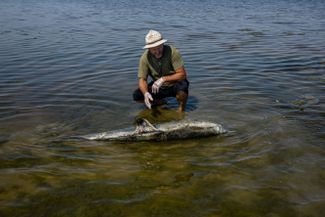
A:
167, 112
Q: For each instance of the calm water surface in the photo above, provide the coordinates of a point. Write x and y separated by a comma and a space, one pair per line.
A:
68, 67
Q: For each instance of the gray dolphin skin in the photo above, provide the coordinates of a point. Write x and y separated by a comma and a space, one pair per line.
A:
145, 131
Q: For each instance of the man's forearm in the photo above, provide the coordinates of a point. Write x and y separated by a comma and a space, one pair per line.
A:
143, 85
180, 74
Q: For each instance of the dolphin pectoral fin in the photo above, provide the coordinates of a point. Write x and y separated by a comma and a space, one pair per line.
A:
143, 125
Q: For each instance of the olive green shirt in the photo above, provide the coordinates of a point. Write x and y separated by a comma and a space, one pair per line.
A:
156, 68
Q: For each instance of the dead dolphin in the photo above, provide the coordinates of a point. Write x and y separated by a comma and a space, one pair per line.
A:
145, 131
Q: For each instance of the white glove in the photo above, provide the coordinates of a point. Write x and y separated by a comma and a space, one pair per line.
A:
147, 99
157, 85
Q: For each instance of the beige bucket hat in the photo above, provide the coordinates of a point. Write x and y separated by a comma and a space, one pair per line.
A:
153, 39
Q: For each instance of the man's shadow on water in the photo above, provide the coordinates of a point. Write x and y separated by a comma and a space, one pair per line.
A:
168, 112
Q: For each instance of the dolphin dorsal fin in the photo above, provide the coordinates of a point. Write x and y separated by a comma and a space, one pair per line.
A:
143, 125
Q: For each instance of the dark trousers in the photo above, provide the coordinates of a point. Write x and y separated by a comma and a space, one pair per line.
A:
164, 91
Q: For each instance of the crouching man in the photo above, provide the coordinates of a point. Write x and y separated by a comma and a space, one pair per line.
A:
164, 64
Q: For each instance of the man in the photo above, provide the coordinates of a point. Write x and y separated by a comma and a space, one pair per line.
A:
165, 66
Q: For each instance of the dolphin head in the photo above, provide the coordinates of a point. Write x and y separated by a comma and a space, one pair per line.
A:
144, 126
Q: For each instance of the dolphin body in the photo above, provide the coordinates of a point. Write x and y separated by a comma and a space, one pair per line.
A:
145, 131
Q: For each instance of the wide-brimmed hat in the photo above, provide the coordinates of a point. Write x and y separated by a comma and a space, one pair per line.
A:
154, 39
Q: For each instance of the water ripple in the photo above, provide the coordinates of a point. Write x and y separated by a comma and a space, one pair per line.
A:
70, 67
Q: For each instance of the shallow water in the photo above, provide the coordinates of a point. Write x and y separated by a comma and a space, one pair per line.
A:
69, 68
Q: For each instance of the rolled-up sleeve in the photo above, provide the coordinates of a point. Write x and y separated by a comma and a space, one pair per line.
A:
177, 60
143, 68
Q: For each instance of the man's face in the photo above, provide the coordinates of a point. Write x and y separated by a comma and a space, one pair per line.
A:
157, 51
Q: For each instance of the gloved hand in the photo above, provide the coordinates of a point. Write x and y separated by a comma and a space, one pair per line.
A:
147, 99
157, 85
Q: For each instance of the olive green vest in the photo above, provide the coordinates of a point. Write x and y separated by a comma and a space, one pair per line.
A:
163, 65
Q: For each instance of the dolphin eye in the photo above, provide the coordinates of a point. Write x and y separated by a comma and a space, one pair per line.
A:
139, 121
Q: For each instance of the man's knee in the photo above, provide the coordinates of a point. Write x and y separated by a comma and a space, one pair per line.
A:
182, 86
137, 95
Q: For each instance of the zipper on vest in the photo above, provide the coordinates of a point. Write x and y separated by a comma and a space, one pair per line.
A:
160, 69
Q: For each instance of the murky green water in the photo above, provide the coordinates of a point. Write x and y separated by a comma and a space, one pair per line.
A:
69, 68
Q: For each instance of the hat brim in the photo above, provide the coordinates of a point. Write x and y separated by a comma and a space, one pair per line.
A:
155, 44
